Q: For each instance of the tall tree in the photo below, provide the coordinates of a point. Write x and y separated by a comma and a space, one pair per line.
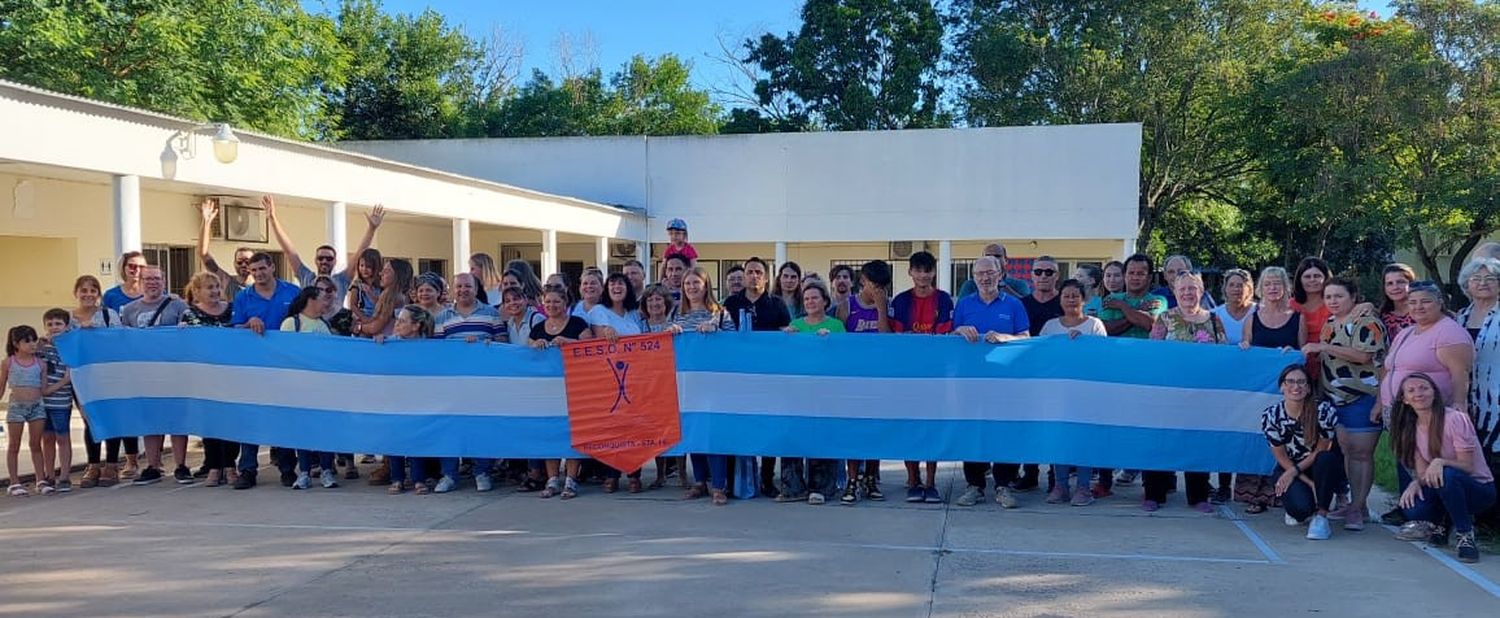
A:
1176, 66
411, 76
261, 64
656, 97
854, 65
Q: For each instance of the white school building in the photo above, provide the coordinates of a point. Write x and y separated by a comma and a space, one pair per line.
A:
82, 181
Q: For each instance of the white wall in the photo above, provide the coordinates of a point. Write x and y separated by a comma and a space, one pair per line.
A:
1019, 182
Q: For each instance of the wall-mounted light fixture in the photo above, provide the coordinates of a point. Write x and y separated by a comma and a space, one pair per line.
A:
184, 145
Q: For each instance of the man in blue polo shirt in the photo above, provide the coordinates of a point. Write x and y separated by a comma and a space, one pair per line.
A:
996, 317
258, 307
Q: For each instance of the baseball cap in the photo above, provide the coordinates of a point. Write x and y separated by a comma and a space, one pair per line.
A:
677, 224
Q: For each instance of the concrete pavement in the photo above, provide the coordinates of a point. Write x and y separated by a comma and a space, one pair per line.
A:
168, 549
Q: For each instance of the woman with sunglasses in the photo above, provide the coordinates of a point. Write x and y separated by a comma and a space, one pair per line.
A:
132, 263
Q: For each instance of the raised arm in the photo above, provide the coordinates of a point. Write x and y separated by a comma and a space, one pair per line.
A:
374, 218
292, 257
209, 209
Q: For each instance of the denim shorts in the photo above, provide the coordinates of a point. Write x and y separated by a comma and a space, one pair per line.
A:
1354, 416
58, 420
25, 412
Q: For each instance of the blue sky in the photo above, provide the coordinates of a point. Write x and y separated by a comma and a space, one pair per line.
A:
614, 30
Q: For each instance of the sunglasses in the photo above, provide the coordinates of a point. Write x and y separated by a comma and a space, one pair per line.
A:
325, 258
1043, 272
134, 266
328, 290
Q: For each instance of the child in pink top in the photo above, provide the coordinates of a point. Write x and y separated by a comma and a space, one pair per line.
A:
677, 234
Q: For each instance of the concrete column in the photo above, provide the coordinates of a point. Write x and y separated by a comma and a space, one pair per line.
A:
461, 250
127, 211
945, 266
780, 259
601, 253
643, 253
549, 253
337, 230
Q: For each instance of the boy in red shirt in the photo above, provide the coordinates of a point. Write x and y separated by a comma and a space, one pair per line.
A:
927, 310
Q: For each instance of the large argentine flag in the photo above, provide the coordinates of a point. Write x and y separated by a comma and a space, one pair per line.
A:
1090, 401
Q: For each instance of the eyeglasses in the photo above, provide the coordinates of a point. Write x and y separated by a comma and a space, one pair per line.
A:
1483, 279
1294, 382
328, 290
1043, 272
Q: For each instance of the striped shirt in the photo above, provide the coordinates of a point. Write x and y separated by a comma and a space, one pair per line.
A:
62, 398
483, 323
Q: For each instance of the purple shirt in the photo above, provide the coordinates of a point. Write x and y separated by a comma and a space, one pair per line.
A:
861, 319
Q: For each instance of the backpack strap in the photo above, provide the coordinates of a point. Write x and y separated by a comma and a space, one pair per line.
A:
155, 317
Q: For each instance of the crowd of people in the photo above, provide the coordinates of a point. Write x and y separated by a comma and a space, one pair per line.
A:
1400, 363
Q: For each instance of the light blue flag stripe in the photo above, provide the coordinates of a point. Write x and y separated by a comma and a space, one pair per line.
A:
1097, 402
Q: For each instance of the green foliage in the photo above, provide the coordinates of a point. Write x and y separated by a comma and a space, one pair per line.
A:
1177, 67
854, 65
257, 63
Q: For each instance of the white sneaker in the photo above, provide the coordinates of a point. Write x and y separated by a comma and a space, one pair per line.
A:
445, 485
329, 480
482, 482
1290, 521
1319, 529
1004, 499
303, 480
816, 498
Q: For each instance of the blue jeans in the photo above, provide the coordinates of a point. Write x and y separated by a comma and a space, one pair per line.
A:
286, 459
1061, 471
1460, 497
305, 460
450, 466
398, 468
713, 469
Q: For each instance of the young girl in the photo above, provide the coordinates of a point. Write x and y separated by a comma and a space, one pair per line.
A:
23, 372
1074, 324
821, 478
411, 322
395, 289
364, 291
1111, 280
557, 329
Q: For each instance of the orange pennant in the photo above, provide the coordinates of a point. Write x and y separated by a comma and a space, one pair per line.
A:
622, 399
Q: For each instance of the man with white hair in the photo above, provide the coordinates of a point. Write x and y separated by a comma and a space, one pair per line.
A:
1011, 285
995, 316
1170, 270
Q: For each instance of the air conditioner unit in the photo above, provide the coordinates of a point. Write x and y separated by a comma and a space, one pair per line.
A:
241, 219
622, 249
902, 249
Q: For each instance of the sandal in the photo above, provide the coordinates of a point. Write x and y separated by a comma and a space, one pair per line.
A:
611, 486
570, 490
720, 498
394, 490
215, 478
1255, 509
18, 490
698, 491
634, 486
422, 489
554, 486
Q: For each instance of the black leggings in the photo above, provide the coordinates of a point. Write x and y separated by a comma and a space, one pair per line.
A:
219, 454
1004, 473
1327, 472
111, 447
1157, 484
